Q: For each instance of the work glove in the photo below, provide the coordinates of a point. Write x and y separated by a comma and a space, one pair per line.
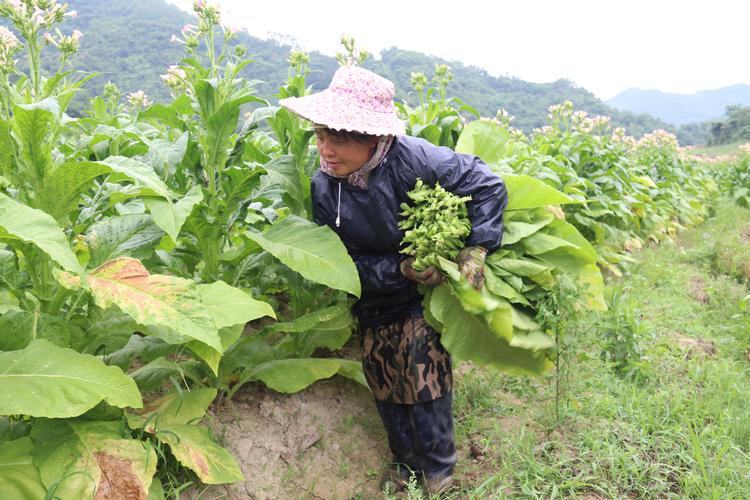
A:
470, 262
430, 276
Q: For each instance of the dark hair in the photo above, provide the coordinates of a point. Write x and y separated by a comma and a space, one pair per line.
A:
346, 134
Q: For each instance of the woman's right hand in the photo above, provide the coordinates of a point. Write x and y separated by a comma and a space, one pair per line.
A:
430, 276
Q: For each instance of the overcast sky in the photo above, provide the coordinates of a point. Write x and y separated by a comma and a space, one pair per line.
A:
605, 46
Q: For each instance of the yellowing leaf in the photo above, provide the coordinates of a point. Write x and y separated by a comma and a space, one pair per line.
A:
163, 302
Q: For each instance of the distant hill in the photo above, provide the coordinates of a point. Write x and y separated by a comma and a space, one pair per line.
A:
680, 109
128, 42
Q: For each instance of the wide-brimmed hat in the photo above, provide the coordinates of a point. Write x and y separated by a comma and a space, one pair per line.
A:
357, 100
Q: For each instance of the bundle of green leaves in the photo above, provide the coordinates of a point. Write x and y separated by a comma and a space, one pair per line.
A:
435, 225
495, 325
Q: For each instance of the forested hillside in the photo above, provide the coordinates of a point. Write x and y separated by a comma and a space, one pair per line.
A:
128, 42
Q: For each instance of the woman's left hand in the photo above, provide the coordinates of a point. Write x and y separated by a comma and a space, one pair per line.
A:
430, 276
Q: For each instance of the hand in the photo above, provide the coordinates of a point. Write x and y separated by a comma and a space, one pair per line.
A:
470, 262
430, 276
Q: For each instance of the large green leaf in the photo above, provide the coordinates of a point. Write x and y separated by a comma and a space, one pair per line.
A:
65, 184
572, 257
170, 307
167, 153
316, 252
44, 380
212, 357
11, 277
20, 327
171, 216
139, 172
18, 476
484, 138
170, 417
169, 114
31, 125
231, 309
174, 408
526, 192
515, 231
134, 235
194, 447
91, 459
467, 336
330, 328
294, 374
109, 330
17, 221
283, 184
230, 306
541, 242
153, 375
7, 150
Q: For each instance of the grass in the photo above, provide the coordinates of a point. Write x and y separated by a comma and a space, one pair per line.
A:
678, 426
722, 149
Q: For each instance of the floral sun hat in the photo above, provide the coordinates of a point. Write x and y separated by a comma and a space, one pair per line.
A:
357, 100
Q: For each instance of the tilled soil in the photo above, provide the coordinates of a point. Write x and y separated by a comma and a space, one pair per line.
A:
324, 442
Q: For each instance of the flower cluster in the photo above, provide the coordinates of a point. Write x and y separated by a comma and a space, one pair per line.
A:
545, 130
298, 61
190, 37
32, 16
9, 46
209, 14
620, 136
175, 78
353, 55
418, 80
68, 44
442, 76
581, 122
659, 139
139, 99
560, 112
745, 148
503, 117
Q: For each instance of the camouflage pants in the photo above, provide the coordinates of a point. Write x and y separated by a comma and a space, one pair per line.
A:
404, 362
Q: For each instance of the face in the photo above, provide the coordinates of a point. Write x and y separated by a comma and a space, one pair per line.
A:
344, 154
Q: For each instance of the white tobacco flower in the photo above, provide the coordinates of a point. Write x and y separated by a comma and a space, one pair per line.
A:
139, 99
175, 77
72, 14
7, 39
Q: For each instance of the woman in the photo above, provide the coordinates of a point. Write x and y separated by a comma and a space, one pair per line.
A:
367, 167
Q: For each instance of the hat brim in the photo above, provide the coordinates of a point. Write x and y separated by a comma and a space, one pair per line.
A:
339, 113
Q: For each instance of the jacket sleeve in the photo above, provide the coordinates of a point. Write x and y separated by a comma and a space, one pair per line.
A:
465, 175
379, 273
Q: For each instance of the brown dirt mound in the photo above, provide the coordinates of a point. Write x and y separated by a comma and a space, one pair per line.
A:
696, 347
325, 442
697, 290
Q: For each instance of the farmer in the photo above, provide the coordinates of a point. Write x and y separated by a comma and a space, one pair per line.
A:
367, 166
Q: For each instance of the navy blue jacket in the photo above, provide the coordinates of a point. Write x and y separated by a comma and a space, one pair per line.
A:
369, 218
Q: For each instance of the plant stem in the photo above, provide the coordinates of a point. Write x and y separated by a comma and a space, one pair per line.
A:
557, 374
33, 53
211, 50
